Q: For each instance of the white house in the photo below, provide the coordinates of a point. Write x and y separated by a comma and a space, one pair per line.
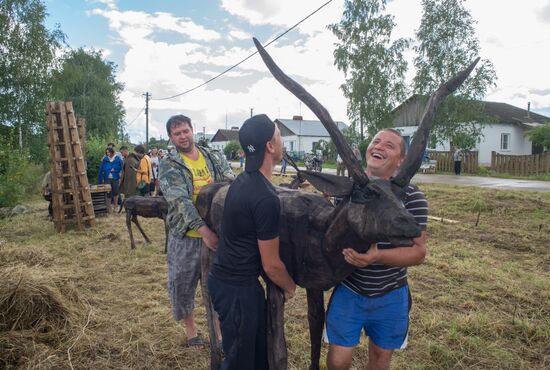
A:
222, 137
299, 136
506, 135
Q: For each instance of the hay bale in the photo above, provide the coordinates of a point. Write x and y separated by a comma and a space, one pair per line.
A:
30, 256
29, 300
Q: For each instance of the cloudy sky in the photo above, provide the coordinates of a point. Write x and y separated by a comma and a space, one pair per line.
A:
167, 47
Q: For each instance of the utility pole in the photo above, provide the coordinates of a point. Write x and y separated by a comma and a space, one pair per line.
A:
147, 97
251, 111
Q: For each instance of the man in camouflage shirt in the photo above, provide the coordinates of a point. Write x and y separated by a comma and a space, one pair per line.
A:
182, 174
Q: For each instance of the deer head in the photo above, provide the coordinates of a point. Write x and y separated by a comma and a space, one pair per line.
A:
374, 210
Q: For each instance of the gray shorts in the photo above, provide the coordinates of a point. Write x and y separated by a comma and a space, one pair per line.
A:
184, 270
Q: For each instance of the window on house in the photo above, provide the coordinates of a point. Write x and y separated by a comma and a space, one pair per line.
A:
505, 141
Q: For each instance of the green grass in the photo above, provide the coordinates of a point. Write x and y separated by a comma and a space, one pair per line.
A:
481, 299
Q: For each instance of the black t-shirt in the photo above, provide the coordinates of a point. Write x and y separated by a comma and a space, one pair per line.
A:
251, 213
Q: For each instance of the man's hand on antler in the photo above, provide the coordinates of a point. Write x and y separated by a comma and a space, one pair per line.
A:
361, 259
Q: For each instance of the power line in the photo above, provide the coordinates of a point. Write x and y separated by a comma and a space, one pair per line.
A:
248, 57
136, 117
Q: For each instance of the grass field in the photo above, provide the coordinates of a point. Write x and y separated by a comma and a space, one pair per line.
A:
83, 300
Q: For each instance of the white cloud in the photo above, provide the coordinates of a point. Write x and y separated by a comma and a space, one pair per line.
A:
239, 34
165, 68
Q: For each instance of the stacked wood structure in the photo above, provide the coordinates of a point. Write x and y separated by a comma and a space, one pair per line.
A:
71, 196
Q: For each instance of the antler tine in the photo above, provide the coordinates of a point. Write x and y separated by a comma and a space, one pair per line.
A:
412, 162
354, 167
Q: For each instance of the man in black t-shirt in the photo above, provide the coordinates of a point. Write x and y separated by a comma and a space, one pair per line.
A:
249, 241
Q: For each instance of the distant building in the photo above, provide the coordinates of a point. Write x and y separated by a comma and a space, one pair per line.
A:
299, 136
222, 137
506, 135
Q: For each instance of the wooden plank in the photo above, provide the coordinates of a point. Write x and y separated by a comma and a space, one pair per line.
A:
80, 176
71, 165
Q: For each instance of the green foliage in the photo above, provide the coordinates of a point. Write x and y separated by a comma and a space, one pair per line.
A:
447, 44
324, 146
232, 149
20, 177
159, 143
540, 135
374, 65
27, 56
88, 80
203, 142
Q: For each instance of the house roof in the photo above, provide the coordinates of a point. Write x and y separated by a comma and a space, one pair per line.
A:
506, 113
502, 112
291, 127
225, 135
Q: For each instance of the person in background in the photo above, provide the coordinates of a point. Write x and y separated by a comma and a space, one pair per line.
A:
457, 158
283, 163
109, 173
143, 172
155, 161
130, 164
340, 166
47, 192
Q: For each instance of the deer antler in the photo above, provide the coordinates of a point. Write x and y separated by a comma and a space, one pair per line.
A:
412, 162
353, 165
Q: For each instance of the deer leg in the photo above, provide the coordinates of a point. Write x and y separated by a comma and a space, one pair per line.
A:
207, 257
129, 226
316, 320
135, 220
276, 345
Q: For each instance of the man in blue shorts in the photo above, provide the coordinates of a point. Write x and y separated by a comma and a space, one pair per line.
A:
375, 297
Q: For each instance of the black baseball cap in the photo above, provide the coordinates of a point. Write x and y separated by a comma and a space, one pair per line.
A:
254, 133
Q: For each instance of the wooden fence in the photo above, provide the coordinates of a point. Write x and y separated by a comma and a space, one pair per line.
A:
521, 165
445, 162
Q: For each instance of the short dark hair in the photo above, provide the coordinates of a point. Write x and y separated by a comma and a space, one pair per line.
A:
402, 145
124, 147
139, 149
177, 120
111, 145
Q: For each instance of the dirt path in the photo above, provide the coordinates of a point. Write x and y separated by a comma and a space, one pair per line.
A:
483, 182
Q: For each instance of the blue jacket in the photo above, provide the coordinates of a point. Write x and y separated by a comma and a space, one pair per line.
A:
107, 167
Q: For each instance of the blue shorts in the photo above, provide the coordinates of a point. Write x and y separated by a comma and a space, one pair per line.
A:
384, 318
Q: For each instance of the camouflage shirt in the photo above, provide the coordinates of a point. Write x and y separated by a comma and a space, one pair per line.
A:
176, 183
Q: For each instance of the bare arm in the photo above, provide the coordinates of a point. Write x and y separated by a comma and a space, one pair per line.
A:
398, 257
275, 268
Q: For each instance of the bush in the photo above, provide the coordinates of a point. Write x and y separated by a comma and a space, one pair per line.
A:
20, 177
232, 149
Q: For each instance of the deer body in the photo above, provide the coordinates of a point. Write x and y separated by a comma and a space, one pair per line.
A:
313, 233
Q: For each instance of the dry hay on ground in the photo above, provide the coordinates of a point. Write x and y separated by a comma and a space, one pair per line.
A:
35, 308
481, 299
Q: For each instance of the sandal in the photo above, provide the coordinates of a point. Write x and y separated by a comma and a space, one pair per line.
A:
195, 342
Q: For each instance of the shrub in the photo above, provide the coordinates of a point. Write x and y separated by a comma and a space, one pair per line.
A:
20, 177
232, 149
